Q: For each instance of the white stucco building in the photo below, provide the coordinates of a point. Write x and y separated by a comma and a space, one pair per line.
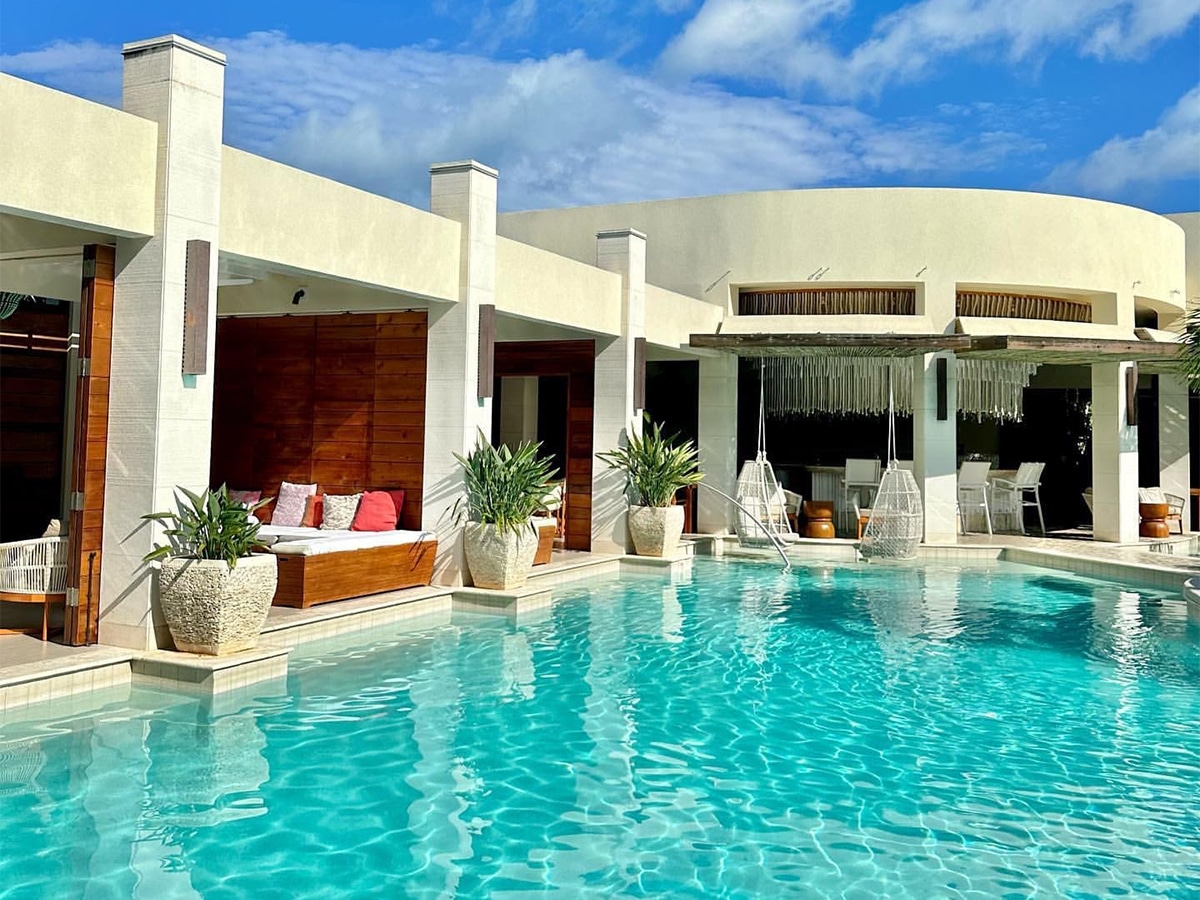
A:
144, 212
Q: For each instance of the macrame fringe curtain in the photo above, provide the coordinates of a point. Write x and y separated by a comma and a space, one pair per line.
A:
858, 385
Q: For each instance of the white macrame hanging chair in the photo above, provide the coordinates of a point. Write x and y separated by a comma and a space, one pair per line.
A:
759, 492
895, 524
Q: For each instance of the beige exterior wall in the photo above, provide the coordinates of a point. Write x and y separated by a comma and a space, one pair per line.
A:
535, 284
304, 223
671, 318
69, 160
706, 247
1190, 223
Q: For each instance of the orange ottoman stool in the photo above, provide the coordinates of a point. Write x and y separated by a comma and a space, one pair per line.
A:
818, 519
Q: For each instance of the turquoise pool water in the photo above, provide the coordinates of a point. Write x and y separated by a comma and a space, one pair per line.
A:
841, 732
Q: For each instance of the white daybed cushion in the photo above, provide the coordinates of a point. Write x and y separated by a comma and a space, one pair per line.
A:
274, 534
544, 522
347, 541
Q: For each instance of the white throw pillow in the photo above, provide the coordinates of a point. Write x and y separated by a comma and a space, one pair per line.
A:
338, 511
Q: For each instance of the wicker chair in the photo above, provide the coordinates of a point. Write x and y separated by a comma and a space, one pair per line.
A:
35, 572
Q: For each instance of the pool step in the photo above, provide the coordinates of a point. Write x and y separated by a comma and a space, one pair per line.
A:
209, 675
25, 686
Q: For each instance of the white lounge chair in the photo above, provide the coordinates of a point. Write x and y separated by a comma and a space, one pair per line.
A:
35, 572
1014, 493
554, 507
973, 490
791, 504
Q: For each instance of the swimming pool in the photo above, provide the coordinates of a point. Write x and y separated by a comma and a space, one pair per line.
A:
845, 731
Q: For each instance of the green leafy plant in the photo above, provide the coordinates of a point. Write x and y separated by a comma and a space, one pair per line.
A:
505, 487
655, 466
207, 526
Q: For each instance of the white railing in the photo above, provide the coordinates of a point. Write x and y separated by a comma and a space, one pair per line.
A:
34, 567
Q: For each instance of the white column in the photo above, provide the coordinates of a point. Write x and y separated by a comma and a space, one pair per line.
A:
1174, 442
1114, 457
717, 442
935, 448
518, 410
622, 251
160, 421
454, 414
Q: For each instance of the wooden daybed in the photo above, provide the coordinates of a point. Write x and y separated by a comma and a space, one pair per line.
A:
321, 566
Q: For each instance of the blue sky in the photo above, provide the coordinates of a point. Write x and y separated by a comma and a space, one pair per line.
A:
601, 100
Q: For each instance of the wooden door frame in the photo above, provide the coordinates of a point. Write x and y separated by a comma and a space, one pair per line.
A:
576, 360
85, 530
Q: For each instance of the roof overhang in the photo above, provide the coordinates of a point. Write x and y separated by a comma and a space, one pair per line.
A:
1041, 350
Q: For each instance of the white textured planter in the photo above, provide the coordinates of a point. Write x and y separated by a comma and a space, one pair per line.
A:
212, 609
655, 529
499, 561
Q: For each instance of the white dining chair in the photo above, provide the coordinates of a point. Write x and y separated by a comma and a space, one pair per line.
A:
973, 491
1015, 492
861, 476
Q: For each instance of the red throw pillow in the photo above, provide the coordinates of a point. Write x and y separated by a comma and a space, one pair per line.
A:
376, 512
314, 511
398, 499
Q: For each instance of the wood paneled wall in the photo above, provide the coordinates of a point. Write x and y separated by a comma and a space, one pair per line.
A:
336, 400
81, 622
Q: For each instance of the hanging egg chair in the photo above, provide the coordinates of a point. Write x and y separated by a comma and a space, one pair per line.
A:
758, 492
896, 521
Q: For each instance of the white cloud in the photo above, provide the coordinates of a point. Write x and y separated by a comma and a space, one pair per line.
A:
787, 42
87, 68
1168, 151
564, 129
514, 22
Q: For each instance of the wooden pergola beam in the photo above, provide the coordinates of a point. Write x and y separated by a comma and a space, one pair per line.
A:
1071, 351
831, 344
1060, 350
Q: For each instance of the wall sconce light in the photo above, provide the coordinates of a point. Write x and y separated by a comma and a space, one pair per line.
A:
943, 389
298, 296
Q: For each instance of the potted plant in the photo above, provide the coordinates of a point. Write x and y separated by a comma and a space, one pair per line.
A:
655, 468
215, 589
504, 488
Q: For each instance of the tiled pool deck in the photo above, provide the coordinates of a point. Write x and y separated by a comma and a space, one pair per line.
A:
32, 672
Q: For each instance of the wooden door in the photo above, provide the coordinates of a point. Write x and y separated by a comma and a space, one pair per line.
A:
91, 446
